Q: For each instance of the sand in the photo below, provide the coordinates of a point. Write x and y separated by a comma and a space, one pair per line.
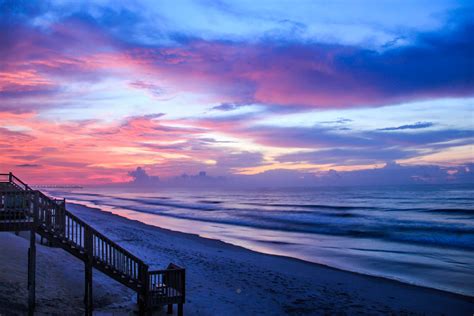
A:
222, 279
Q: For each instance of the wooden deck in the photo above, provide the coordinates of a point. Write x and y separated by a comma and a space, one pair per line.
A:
22, 208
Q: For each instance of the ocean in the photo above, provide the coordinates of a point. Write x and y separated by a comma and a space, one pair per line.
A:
422, 235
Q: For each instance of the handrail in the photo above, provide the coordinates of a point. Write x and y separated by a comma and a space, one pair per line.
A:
21, 182
100, 235
13, 179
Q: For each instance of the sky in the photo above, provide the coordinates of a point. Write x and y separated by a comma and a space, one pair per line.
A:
92, 90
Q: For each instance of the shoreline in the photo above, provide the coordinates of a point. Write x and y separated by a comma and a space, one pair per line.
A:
227, 244
221, 278
314, 271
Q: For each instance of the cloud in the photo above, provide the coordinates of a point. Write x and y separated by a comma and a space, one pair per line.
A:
228, 106
351, 156
393, 173
316, 137
60, 60
417, 125
340, 120
12, 137
436, 64
141, 177
233, 160
331, 145
153, 89
390, 174
28, 165
293, 75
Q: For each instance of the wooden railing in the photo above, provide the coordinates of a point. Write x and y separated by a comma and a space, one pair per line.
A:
16, 209
115, 256
54, 216
167, 286
49, 213
22, 205
10, 178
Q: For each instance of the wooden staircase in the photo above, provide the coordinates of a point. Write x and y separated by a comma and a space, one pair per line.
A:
22, 208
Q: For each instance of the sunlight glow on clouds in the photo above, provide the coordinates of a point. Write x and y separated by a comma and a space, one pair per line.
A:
91, 91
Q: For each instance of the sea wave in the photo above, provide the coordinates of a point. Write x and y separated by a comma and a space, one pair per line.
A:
396, 231
419, 224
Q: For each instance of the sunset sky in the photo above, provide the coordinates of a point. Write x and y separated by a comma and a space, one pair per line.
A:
91, 90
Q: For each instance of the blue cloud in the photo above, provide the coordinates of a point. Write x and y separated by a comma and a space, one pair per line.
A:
417, 125
228, 106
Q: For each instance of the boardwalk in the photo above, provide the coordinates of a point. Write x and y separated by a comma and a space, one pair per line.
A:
25, 209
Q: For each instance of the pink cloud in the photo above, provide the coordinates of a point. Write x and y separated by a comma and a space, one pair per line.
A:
290, 75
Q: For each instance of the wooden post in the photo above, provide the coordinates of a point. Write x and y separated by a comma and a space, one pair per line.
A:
183, 289
88, 271
31, 273
88, 287
32, 259
36, 209
62, 219
143, 296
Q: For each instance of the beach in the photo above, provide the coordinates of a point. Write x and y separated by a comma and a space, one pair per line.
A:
222, 279
417, 235
236, 158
